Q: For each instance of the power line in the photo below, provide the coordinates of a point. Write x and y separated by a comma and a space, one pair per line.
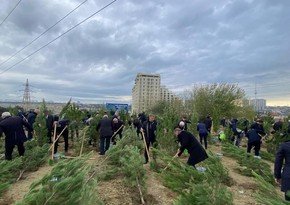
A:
10, 12
42, 33
31, 54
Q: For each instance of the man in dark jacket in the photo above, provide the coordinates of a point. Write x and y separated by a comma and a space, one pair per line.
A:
117, 128
183, 123
31, 120
14, 133
208, 123
283, 178
254, 136
278, 125
49, 125
62, 128
149, 128
189, 142
137, 125
106, 127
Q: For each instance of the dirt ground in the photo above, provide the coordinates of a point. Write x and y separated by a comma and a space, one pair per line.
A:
17, 190
113, 192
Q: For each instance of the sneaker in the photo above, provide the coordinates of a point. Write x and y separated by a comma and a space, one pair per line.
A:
257, 157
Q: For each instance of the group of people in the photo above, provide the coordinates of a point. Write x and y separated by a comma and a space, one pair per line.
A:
13, 128
109, 129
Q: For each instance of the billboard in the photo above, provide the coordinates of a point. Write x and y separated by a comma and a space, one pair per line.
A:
117, 107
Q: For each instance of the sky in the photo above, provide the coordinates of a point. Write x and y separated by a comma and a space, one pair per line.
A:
93, 55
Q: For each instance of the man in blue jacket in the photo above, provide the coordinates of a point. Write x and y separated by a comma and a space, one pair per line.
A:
14, 133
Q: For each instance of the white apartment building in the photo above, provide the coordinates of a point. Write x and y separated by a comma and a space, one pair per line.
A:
146, 92
167, 95
258, 104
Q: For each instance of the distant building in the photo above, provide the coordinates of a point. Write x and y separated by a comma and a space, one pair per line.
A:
259, 105
146, 92
167, 95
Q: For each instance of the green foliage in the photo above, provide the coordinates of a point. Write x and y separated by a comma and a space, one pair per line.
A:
206, 193
40, 126
71, 182
218, 100
248, 163
278, 137
8, 172
197, 187
34, 157
266, 193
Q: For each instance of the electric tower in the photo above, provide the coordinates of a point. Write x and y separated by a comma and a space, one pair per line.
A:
26, 97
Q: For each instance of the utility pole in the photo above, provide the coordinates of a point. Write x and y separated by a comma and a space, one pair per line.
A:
26, 97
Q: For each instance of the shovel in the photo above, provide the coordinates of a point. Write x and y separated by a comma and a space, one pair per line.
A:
176, 155
116, 133
146, 148
51, 162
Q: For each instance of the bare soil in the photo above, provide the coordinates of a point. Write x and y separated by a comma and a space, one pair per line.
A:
113, 192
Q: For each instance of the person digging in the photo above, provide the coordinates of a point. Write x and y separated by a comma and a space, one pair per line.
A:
187, 141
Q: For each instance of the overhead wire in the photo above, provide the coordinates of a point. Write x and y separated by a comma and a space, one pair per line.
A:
48, 29
45, 45
10, 12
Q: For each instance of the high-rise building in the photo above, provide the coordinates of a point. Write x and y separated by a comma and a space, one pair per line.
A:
259, 105
167, 95
146, 92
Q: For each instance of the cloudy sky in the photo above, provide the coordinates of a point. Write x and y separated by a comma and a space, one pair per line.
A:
187, 42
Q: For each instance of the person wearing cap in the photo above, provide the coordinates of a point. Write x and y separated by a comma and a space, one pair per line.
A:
187, 141
105, 126
14, 133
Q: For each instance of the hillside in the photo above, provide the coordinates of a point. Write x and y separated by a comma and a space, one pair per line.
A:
113, 189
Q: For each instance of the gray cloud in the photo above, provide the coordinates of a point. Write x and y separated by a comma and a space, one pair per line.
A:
242, 41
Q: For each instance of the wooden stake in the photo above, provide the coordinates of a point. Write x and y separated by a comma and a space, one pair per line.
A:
81, 151
116, 133
53, 141
140, 191
58, 136
171, 160
146, 148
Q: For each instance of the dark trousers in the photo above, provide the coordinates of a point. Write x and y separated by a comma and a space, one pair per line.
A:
203, 136
65, 137
287, 198
114, 137
148, 142
256, 144
29, 135
191, 160
104, 140
49, 136
9, 150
